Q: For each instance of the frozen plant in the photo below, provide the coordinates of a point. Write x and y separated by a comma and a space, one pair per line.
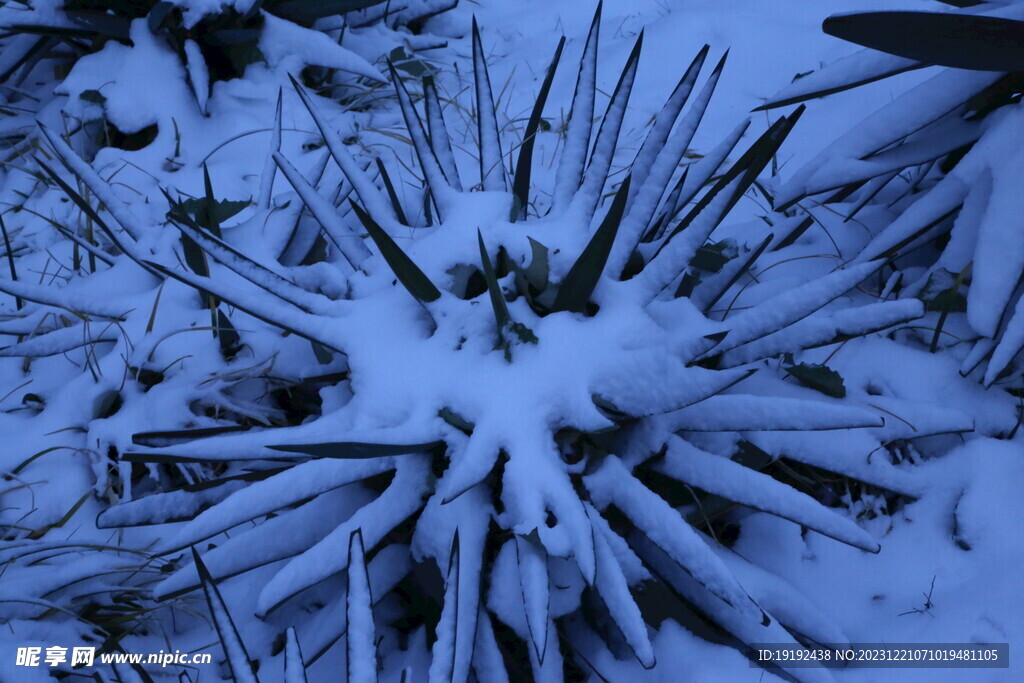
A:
519, 401
946, 155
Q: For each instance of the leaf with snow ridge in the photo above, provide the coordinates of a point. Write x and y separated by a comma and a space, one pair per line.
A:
492, 168
242, 669
294, 669
739, 412
361, 645
732, 481
569, 174
612, 484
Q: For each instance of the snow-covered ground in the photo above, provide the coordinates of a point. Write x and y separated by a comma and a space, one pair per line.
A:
951, 549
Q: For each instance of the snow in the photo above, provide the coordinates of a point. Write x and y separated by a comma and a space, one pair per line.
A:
920, 458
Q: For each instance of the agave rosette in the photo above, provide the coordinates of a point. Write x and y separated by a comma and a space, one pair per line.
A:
517, 396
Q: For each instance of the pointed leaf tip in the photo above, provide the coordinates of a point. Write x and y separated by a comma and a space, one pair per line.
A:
408, 273
582, 279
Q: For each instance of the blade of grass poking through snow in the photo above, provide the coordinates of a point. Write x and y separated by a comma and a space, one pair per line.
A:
575, 290
744, 172
63, 298
439, 138
860, 68
392, 195
569, 175
436, 181
407, 272
195, 257
80, 202
292, 486
242, 669
792, 305
294, 669
702, 172
308, 11
501, 314
269, 167
453, 652
613, 484
10, 260
60, 340
492, 168
957, 40
608, 136
361, 647
668, 210
270, 312
521, 183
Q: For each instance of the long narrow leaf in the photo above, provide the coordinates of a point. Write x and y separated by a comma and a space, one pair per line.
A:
242, 669
440, 141
361, 646
569, 175
407, 272
584, 275
436, 181
960, 41
492, 168
521, 183
606, 141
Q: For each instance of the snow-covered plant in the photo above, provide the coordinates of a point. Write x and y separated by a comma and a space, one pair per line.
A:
524, 412
330, 43
945, 155
217, 40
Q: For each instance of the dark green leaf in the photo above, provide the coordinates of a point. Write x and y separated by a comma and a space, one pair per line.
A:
169, 438
536, 273
521, 183
711, 257
226, 630
961, 41
392, 195
227, 336
351, 450
407, 272
501, 314
504, 320
456, 420
94, 96
584, 275
323, 356
158, 14
941, 293
818, 377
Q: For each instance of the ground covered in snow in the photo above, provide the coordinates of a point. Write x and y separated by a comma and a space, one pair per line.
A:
951, 542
